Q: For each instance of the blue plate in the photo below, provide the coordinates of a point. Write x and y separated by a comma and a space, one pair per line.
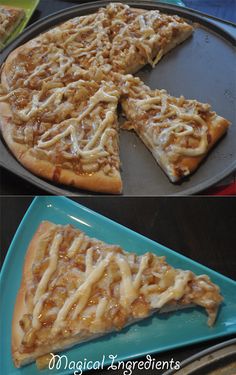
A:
153, 335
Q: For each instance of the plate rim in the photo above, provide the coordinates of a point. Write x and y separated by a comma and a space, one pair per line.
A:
65, 201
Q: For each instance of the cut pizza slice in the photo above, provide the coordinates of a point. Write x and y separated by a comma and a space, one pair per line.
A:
146, 39
10, 18
76, 288
178, 132
66, 133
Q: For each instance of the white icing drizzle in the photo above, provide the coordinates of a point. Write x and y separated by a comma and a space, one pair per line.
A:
99, 139
37, 310
158, 129
127, 289
53, 257
82, 294
101, 308
75, 246
174, 292
142, 267
89, 261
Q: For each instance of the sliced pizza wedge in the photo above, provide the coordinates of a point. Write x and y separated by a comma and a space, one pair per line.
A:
75, 288
66, 133
10, 18
179, 132
146, 39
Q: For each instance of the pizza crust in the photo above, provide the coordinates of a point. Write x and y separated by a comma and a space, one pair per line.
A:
7, 128
98, 181
217, 128
20, 305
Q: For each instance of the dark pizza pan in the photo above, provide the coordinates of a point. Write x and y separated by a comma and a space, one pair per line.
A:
202, 68
219, 359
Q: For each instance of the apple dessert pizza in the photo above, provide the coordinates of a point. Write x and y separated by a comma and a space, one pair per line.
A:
179, 132
75, 288
10, 18
58, 96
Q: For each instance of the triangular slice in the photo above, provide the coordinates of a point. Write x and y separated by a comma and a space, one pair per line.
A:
66, 131
146, 39
75, 288
178, 132
10, 17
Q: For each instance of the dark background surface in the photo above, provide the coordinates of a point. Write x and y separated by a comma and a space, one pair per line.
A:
10, 183
200, 228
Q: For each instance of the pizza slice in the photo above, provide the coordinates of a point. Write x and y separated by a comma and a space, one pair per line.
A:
76, 288
146, 39
10, 18
179, 132
66, 133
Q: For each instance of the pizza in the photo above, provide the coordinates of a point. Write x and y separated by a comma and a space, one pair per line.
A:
10, 18
179, 132
75, 288
60, 92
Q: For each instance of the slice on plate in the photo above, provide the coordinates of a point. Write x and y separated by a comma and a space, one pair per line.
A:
76, 288
178, 132
146, 39
10, 18
66, 131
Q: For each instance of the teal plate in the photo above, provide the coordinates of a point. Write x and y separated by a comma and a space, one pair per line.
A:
153, 335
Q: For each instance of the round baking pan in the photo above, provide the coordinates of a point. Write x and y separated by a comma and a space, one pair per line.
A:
219, 359
201, 68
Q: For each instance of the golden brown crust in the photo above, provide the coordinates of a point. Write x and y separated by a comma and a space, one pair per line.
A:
7, 128
98, 182
217, 128
20, 305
